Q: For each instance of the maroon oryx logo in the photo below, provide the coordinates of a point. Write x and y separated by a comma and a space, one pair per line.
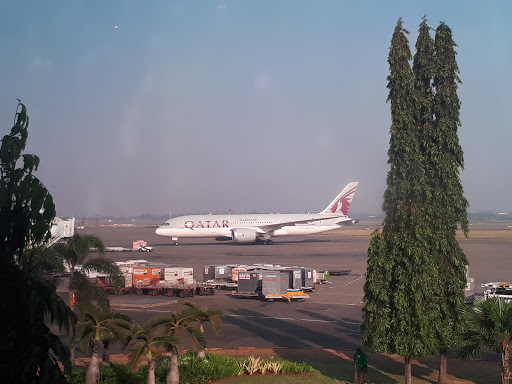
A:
343, 203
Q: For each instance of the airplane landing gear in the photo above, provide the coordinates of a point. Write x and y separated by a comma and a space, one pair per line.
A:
262, 241
176, 243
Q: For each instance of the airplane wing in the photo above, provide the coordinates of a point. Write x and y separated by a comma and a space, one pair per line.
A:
275, 227
348, 221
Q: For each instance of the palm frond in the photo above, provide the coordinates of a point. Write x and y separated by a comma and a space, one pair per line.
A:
489, 323
106, 266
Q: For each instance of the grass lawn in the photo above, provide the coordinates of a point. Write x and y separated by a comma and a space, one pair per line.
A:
336, 366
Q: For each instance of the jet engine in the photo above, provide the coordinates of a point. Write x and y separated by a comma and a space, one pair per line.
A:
243, 235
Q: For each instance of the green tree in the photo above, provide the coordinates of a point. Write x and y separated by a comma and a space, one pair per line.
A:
98, 324
423, 70
398, 310
147, 343
29, 350
444, 161
490, 326
206, 315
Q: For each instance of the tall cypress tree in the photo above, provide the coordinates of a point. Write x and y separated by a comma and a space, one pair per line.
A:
449, 206
398, 309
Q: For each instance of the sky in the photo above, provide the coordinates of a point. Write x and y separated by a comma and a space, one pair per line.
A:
203, 106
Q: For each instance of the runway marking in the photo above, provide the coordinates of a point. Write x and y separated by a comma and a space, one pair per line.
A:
353, 281
292, 319
279, 318
321, 321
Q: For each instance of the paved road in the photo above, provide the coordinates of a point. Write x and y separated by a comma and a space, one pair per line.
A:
330, 318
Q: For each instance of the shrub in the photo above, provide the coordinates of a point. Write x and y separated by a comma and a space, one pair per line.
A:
111, 374
192, 370
253, 364
274, 367
289, 367
212, 367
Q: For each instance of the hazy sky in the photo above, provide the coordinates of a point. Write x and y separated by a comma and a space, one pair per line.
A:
268, 106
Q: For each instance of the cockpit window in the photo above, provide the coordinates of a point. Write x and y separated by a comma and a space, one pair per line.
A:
166, 223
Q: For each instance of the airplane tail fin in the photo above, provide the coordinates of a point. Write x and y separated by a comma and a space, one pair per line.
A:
342, 202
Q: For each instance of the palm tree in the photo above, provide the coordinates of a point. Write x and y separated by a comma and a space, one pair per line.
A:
98, 323
179, 326
206, 315
490, 326
146, 343
76, 252
30, 347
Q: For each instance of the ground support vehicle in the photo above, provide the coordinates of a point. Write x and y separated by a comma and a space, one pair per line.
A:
340, 272
226, 276
320, 277
246, 295
288, 296
269, 285
222, 284
167, 288
498, 289
205, 289
295, 295
117, 249
223, 276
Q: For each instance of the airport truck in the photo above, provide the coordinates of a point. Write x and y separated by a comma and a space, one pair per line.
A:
300, 278
268, 285
167, 288
150, 280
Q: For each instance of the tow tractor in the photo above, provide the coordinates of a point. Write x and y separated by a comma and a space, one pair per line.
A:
145, 248
498, 289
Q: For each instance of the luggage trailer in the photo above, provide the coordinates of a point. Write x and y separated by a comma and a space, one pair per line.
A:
147, 280
267, 286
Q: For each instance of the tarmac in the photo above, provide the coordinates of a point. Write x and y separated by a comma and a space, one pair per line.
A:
329, 319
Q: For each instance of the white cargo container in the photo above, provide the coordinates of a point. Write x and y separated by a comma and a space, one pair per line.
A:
183, 274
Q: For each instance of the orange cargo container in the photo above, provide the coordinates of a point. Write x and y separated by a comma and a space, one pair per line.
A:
143, 277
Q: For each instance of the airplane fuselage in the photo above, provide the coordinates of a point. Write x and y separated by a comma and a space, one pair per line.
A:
222, 225
259, 228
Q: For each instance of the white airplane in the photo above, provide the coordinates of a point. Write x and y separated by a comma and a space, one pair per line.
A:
259, 228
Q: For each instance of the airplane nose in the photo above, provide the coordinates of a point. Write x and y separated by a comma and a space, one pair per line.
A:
159, 231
